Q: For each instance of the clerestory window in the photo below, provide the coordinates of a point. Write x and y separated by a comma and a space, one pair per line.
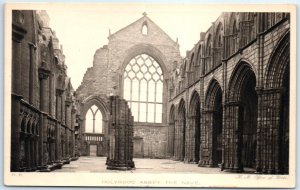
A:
143, 88
93, 120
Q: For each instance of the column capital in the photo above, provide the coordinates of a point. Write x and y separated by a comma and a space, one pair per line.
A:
232, 103
59, 92
274, 90
68, 101
206, 110
18, 33
73, 110
44, 73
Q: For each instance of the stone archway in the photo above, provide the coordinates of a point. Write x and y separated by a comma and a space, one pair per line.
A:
240, 120
284, 124
249, 122
180, 132
214, 113
194, 129
274, 112
171, 131
100, 140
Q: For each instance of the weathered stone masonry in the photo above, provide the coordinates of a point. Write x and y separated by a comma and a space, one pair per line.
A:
43, 112
106, 78
120, 135
225, 104
239, 71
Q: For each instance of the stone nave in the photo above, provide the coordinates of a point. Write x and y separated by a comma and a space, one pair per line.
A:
226, 104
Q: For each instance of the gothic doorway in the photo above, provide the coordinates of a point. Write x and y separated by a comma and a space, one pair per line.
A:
93, 150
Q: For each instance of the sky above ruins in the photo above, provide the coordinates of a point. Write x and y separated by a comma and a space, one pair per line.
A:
82, 30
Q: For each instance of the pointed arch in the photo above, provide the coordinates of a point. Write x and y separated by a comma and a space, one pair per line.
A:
194, 132
214, 112
218, 42
242, 72
278, 63
199, 54
195, 99
242, 111
180, 134
145, 28
277, 102
171, 131
172, 114
192, 62
208, 46
232, 27
213, 89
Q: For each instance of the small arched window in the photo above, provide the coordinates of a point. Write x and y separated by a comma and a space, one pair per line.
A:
93, 120
145, 29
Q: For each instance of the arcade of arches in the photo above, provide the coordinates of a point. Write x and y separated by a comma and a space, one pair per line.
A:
226, 104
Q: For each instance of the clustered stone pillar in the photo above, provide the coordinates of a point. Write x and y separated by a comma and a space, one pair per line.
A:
58, 128
232, 137
120, 156
268, 126
171, 133
206, 155
44, 152
73, 120
18, 33
190, 139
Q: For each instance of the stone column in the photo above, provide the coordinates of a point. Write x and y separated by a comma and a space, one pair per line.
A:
68, 124
18, 33
58, 124
193, 137
268, 145
43, 76
73, 120
233, 137
121, 137
63, 117
171, 140
206, 156
32, 68
176, 141
15, 132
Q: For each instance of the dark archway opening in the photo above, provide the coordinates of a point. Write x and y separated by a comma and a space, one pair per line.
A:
181, 131
249, 122
172, 132
197, 133
284, 124
183, 134
217, 128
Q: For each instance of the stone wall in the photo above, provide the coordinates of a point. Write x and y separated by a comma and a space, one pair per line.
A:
248, 54
43, 113
105, 78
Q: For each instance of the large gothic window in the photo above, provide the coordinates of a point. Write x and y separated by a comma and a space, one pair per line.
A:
93, 120
143, 88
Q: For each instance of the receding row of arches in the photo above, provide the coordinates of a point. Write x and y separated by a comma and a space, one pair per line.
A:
29, 141
245, 127
190, 127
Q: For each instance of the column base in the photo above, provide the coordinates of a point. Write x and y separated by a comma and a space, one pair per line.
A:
234, 170
116, 165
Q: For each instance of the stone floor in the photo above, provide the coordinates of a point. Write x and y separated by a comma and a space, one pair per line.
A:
97, 164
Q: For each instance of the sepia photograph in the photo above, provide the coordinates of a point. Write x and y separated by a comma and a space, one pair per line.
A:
150, 95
